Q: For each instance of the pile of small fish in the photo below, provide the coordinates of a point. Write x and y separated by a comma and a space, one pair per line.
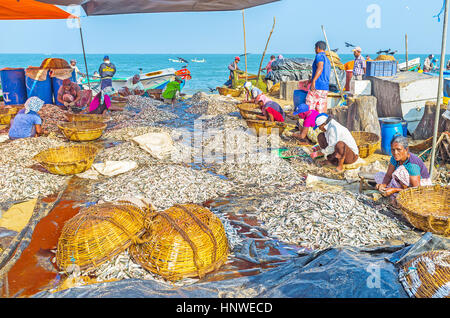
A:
201, 103
128, 133
163, 185
320, 220
51, 116
18, 183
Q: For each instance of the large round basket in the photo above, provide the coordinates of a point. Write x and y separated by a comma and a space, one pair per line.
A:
265, 126
87, 117
5, 116
427, 208
367, 143
67, 160
229, 92
249, 110
14, 109
82, 130
182, 241
98, 233
427, 275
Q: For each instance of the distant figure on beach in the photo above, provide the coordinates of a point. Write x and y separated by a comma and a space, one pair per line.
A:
336, 143
368, 58
359, 68
252, 93
280, 57
172, 91
78, 74
27, 122
268, 70
133, 86
320, 81
448, 65
106, 70
232, 68
271, 110
428, 65
405, 170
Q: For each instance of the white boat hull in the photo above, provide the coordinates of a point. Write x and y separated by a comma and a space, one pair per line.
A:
411, 64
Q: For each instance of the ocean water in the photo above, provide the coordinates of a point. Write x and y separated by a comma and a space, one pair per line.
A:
206, 75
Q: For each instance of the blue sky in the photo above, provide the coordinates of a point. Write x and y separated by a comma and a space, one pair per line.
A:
298, 28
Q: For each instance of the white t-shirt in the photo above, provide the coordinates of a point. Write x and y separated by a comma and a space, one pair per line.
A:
138, 86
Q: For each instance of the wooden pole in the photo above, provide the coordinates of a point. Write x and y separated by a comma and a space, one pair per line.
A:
332, 62
84, 53
439, 94
406, 46
264, 54
245, 46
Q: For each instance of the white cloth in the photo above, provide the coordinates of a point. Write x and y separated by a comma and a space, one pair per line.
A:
113, 168
334, 133
159, 145
4, 138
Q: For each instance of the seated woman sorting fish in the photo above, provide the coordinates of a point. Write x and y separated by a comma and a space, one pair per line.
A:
405, 170
27, 122
306, 123
336, 143
134, 86
271, 110
70, 95
102, 102
251, 92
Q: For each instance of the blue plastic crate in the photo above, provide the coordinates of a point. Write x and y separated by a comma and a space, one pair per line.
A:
381, 68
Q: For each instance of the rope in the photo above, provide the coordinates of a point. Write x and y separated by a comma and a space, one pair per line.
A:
438, 16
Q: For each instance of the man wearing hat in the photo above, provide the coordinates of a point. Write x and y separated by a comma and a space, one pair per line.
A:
336, 143
233, 67
106, 71
359, 68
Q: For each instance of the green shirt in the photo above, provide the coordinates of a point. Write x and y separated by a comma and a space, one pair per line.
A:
171, 90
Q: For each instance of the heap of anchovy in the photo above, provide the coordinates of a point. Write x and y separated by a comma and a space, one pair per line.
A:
51, 116
201, 103
320, 220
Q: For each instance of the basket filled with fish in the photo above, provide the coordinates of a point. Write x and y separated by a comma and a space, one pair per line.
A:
5, 116
183, 241
82, 130
265, 126
225, 91
367, 143
427, 208
249, 110
67, 160
88, 117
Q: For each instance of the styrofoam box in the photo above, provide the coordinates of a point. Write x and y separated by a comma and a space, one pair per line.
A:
361, 88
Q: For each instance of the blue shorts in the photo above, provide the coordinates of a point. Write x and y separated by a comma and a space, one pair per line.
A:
106, 82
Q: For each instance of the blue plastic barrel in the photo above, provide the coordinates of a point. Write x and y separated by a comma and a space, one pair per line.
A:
41, 89
57, 83
405, 128
13, 86
299, 97
396, 120
389, 128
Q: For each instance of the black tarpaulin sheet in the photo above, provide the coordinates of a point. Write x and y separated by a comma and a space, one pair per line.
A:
106, 7
332, 273
297, 69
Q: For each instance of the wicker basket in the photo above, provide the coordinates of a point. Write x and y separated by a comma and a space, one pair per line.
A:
229, 92
426, 275
87, 117
5, 116
367, 143
427, 208
183, 241
98, 233
67, 160
264, 125
118, 104
248, 110
82, 130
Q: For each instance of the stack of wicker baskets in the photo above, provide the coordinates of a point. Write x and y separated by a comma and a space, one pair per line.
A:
427, 275
7, 113
82, 130
67, 160
182, 241
367, 143
98, 233
265, 127
427, 208
248, 110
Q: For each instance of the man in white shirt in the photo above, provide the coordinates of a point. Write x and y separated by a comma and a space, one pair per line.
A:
134, 86
428, 64
78, 74
336, 143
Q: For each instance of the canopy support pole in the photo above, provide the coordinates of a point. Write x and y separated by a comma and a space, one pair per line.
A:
265, 50
439, 96
84, 53
245, 47
406, 51
332, 62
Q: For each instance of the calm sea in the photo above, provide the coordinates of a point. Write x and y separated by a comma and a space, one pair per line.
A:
206, 75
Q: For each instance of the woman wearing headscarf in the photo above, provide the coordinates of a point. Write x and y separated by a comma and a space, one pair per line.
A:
27, 122
271, 110
251, 92
336, 143
405, 170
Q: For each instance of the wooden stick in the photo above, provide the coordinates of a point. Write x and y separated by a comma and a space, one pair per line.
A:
332, 62
245, 47
264, 54
406, 45
84, 53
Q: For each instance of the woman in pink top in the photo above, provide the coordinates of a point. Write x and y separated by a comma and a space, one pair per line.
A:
309, 116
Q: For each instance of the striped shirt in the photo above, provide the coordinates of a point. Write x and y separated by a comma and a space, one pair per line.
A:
360, 64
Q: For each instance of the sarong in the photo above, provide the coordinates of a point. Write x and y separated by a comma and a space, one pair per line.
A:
317, 100
400, 177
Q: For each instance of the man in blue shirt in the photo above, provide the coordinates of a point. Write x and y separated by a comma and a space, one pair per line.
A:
320, 81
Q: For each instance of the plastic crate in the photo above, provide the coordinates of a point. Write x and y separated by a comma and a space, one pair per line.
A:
381, 68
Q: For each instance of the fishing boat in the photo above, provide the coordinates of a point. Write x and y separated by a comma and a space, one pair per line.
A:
411, 65
152, 80
176, 61
198, 61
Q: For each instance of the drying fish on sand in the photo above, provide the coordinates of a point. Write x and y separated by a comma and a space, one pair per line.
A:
201, 103
51, 116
